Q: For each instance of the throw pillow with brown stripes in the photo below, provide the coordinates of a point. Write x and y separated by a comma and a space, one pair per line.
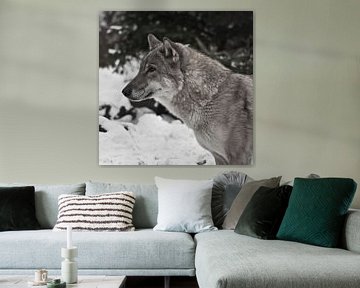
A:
105, 212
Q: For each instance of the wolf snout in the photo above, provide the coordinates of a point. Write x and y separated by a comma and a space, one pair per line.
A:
127, 91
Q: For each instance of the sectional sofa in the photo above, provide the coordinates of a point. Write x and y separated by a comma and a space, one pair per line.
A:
218, 259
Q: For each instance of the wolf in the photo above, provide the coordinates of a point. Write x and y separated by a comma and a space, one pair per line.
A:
209, 98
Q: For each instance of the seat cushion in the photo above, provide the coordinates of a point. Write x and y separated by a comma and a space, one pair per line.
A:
226, 259
143, 249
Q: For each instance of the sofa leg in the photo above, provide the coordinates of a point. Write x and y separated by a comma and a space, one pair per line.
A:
167, 282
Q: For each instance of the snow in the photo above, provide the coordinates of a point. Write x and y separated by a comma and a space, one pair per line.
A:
110, 86
115, 27
148, 139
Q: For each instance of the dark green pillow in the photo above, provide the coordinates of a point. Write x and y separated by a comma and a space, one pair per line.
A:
316, 211
263, 214
17, 208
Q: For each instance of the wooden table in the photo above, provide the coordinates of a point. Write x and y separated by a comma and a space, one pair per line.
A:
84, 281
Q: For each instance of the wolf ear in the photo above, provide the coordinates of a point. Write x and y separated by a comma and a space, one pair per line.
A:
153, 42
170, 50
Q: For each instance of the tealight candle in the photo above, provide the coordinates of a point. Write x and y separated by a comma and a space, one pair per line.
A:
69, 237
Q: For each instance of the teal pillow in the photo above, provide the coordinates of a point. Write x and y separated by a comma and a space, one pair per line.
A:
316, 211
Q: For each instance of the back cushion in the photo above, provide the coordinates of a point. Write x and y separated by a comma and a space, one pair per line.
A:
46, 200
146, 203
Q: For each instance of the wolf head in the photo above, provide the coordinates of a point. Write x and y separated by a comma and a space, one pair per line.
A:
160, 74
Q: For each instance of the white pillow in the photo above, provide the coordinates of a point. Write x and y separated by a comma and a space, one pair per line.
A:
184, 205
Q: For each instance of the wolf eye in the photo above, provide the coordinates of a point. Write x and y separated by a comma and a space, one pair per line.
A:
151, 69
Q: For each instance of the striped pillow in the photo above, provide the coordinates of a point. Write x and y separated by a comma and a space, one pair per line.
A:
105, 212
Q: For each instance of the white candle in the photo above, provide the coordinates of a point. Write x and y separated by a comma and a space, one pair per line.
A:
69, 237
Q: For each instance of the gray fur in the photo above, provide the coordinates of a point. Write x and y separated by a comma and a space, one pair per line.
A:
211, 99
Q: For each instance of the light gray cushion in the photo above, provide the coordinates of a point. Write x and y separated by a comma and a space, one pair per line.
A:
143, 249
225, 259
46, 200
184, 205
146, 204
351, 231
310, 176
243, 198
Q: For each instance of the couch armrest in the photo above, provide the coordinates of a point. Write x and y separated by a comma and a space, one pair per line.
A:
351, 234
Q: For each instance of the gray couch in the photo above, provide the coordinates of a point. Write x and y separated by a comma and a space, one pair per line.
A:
218, 259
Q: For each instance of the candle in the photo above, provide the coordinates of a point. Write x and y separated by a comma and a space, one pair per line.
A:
69, 237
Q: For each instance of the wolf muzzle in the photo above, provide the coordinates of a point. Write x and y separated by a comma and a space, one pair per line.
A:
127, 91
134, 94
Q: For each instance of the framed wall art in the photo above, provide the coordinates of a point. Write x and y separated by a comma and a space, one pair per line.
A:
176, 88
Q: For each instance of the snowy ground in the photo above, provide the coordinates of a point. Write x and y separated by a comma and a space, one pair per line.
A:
147, 139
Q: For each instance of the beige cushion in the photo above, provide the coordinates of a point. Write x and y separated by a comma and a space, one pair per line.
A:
243, 198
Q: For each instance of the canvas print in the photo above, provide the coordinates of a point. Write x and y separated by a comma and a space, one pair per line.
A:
176, 88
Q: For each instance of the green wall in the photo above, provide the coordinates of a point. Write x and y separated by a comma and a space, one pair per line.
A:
307, 79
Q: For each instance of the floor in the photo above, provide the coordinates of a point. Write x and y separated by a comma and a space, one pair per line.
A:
158, 282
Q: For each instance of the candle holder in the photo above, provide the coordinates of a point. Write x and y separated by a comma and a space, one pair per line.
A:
69, 272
